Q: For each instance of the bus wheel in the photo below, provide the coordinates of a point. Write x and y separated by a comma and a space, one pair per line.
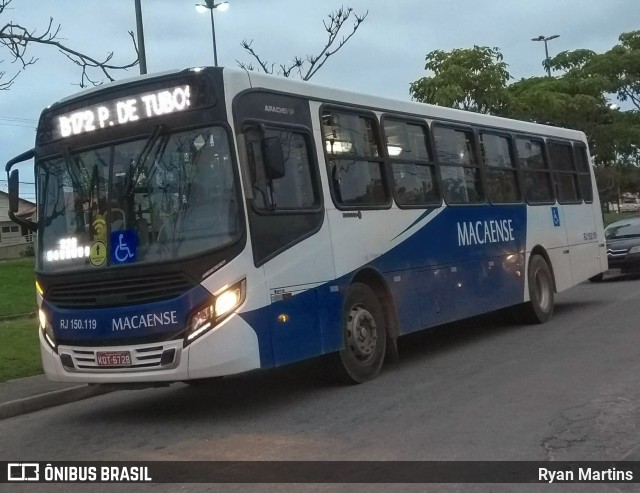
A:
540, 308
364, 336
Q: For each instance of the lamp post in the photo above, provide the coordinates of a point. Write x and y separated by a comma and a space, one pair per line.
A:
211, 6
546, 49
142, 56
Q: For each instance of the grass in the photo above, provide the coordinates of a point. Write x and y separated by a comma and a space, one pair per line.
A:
610, 217
19, 345
17, 287
19, 349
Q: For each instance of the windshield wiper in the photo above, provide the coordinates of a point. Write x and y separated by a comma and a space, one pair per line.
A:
143, 155
73, 166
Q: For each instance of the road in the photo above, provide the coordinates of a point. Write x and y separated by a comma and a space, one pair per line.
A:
484, 389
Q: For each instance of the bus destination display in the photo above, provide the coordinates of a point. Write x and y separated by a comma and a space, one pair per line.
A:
124, 111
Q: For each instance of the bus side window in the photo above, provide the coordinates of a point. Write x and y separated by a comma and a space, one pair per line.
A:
412, 166
354, 159
584, 172
286, 207
459, 166
564, 172
294, 189
500, 169
535, 171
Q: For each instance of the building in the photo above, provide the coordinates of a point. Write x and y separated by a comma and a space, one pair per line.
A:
15, 240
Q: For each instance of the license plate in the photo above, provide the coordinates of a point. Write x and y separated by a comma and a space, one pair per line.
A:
113, 358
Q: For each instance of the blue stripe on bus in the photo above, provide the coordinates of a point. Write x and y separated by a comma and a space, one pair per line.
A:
160, 318
464, 262
422, 216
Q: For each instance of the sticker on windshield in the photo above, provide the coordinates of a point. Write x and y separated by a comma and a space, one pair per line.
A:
99, 227
124, 246
199, 142
98, 253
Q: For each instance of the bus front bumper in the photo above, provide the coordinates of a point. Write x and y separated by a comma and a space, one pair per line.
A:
229, 348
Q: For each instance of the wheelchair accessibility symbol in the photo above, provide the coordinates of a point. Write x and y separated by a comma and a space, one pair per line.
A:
124, 246
555, 214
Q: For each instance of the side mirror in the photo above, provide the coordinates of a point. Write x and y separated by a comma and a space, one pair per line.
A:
14, 191
13, 179
273, 157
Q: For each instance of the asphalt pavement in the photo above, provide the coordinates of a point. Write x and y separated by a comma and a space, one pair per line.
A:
30, 394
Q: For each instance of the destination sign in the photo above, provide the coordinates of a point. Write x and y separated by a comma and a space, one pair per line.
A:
124, 110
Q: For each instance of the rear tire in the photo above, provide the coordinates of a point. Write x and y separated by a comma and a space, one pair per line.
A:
364, 337
540, 308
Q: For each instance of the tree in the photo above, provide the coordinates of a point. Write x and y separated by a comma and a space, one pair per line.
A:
17, 39
617, 177
569, 101
469, 79
621, 66
578, 97
308, 66
593, 78
477, 79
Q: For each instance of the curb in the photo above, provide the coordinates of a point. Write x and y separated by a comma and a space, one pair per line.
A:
16, 316
51, 399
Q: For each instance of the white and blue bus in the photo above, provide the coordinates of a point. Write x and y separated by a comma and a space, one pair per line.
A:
211, 221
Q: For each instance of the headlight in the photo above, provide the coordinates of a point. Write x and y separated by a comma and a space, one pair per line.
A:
228, 300
46, 328
223, 304
635, 249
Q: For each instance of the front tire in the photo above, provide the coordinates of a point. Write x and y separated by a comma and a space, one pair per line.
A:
364, 336
540, 308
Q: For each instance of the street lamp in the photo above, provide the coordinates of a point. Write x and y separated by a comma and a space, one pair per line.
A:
546, 50
142, 56
211, 6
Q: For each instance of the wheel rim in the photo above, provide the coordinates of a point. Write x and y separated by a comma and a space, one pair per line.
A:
362, 334
542, 285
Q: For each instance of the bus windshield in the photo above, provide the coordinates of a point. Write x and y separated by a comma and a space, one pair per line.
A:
165, 197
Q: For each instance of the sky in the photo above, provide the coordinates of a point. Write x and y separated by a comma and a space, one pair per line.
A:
382, 58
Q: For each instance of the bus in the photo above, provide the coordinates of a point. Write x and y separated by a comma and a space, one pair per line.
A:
212, 221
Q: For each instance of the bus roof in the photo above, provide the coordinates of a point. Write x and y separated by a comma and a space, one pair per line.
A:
390, 105
256, 80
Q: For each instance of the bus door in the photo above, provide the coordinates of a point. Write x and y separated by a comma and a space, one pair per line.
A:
289, 241
294, 314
